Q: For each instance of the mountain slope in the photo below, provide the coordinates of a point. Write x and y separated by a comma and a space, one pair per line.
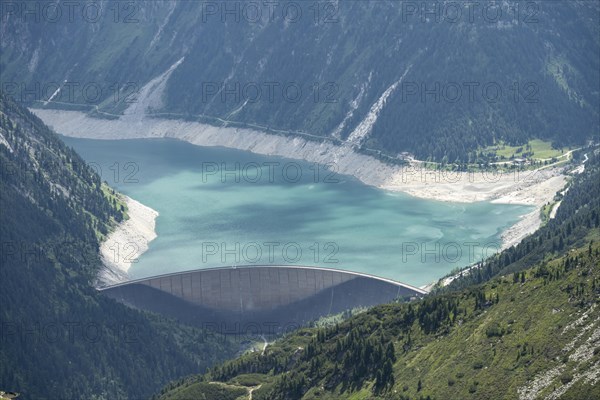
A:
442, 81
61, 338
533, 337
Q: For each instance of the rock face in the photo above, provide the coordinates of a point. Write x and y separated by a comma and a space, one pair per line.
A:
276, 296
381, 74
343, 158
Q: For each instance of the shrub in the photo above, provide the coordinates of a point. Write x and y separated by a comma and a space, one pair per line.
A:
566, 378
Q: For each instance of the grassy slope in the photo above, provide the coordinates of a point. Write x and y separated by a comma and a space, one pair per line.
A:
534, 316
538, 150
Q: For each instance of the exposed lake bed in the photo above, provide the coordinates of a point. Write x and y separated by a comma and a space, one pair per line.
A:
221, 206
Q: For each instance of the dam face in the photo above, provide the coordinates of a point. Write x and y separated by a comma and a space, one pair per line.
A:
257, 298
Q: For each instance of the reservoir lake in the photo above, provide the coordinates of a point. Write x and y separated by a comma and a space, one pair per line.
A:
221, 207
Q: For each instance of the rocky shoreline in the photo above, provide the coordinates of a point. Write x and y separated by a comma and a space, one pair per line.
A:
128, 241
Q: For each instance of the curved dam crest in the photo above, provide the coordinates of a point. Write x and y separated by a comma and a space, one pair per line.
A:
257, 296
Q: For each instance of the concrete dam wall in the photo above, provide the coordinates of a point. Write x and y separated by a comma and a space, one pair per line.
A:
232, 298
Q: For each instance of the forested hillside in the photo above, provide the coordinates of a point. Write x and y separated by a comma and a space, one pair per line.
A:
531, 330
442, 80
60, 339
534, 336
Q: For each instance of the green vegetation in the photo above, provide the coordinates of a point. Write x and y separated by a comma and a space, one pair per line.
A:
118, 203
60, 338
546, 211
330, 320
115, 199
535, 149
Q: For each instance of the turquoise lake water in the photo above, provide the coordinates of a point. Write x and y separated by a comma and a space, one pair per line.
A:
226, 207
